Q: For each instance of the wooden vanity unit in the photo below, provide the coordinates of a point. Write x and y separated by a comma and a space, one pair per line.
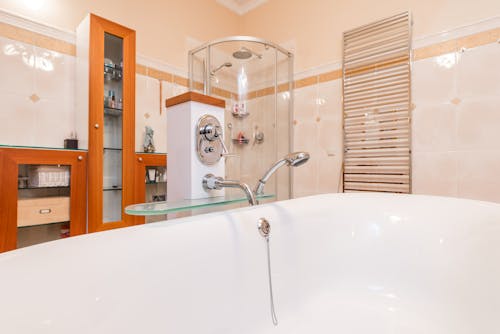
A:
34, 211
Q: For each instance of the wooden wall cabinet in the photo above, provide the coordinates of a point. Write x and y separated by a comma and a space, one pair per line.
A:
106, 111
145, 186
49, 209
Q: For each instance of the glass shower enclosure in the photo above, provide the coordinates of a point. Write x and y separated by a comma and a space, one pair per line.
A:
255, 78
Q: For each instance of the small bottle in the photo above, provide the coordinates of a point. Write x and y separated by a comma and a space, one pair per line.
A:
108, 100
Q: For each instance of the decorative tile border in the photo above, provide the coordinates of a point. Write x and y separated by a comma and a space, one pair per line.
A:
36, 39
455, 45
25, 35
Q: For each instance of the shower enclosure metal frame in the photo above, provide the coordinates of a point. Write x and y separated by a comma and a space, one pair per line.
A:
207, 89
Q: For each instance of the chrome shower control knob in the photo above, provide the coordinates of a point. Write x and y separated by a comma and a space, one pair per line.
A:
209, 149
210, 131
264, 227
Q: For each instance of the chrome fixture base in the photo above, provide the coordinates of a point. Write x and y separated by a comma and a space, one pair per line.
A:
264, 227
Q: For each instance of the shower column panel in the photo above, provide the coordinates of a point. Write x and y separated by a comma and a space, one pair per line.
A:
185, 170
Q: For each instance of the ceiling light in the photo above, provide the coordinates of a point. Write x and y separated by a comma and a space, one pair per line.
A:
34, 4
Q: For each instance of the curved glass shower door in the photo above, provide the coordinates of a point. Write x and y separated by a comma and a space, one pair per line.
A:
255, 79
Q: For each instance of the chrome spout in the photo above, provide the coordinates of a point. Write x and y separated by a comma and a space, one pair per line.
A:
212, 182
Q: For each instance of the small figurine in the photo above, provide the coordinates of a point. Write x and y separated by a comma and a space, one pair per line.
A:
149, 146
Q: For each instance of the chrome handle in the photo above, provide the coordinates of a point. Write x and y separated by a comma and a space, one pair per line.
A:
44, 211
210, 132
96, 125
80, 158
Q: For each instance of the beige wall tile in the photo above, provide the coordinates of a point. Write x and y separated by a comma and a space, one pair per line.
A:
434, 80
478, 124
479, 72
329, 172
147, 113
435, 173
18, 76
478, 175
434, 128
305, 106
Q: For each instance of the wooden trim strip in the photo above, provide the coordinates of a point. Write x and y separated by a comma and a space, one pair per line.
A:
50, 43
195, 97
36, 39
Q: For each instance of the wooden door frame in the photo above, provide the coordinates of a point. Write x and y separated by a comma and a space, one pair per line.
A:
11, 158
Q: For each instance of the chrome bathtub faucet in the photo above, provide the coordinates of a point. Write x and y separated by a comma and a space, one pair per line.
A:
212, 182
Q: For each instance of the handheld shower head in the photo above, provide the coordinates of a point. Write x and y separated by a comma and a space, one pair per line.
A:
294, 159
228, 64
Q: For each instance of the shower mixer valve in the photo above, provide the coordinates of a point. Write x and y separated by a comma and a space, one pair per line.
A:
210, 143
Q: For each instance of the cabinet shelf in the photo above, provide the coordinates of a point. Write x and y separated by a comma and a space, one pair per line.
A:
112, 73
112, 189
112, 67
32, 188
160, 182
113, 111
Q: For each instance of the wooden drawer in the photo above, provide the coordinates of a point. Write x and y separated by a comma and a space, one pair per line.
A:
45, 210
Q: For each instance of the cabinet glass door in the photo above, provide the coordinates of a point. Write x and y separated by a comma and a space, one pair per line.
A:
113, 129
43, 205
156, 189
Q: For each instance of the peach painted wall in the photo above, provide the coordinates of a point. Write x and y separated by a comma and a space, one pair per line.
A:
314, 28
166, 29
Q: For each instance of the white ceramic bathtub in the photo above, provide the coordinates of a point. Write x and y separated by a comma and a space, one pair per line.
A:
341, 264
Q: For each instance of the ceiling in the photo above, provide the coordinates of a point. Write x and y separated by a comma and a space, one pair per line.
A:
241, 7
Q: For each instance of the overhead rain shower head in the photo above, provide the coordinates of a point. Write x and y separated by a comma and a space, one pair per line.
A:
245, 53
220, 67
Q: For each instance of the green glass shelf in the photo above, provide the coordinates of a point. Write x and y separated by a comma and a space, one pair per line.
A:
161, 208
42, 148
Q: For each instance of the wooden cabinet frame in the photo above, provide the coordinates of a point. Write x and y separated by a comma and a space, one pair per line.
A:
143, 160
10, 159
98, 27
